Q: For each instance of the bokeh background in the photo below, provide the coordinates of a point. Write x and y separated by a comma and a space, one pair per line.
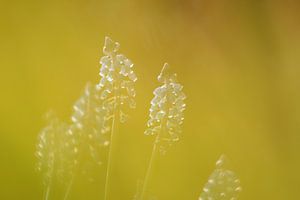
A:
239, 62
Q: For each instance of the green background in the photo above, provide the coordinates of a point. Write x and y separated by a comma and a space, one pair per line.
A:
239, 62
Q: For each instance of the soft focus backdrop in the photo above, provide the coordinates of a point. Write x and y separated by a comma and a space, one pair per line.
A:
239, 62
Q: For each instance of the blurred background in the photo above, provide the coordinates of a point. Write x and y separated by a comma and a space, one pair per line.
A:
239, 62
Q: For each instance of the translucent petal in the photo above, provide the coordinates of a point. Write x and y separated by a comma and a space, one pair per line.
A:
120, 59
104, 94
173, 78
172, 112
123, 117
177, 87
150, 122
180, 104
130, 89
110, 46
174, 137
153, 113
110, 76
109, 88
160, 115
131, 92
155, 100
103, 71
154, 108
105, 61
148, 132
156, 129
125, 70
132, 76
160, 91
181, 96
163, 103
102, 82
123, 84
124, 99
132, 103
128, 63
157, 91
124, 61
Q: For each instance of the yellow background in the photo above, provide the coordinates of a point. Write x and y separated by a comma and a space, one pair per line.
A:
239, 62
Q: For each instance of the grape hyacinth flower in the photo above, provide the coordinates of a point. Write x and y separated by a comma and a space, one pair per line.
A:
117, 93
166, 117
223, 184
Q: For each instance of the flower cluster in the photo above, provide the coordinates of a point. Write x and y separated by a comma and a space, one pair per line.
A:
49, 148
223, 184
117, 79
167, 107
88, 130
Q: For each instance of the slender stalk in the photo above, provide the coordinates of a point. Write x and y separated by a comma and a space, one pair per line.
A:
47, 194
110, 154
154, 150
113, 136
69, 188
152, 159
149, 169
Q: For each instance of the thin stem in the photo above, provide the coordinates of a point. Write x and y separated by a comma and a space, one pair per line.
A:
152, 159
113, 137
154, 151
110, 154
47, 194
69, 188
149, 169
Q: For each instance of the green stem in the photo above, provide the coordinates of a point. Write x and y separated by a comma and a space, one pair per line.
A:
114, 132
48, 190
149, 169
154, 151
113, 136
69, 188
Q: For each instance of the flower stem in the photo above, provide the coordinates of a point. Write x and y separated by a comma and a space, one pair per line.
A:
155, 151
69, 188
112, 148
149, 169
48, 190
